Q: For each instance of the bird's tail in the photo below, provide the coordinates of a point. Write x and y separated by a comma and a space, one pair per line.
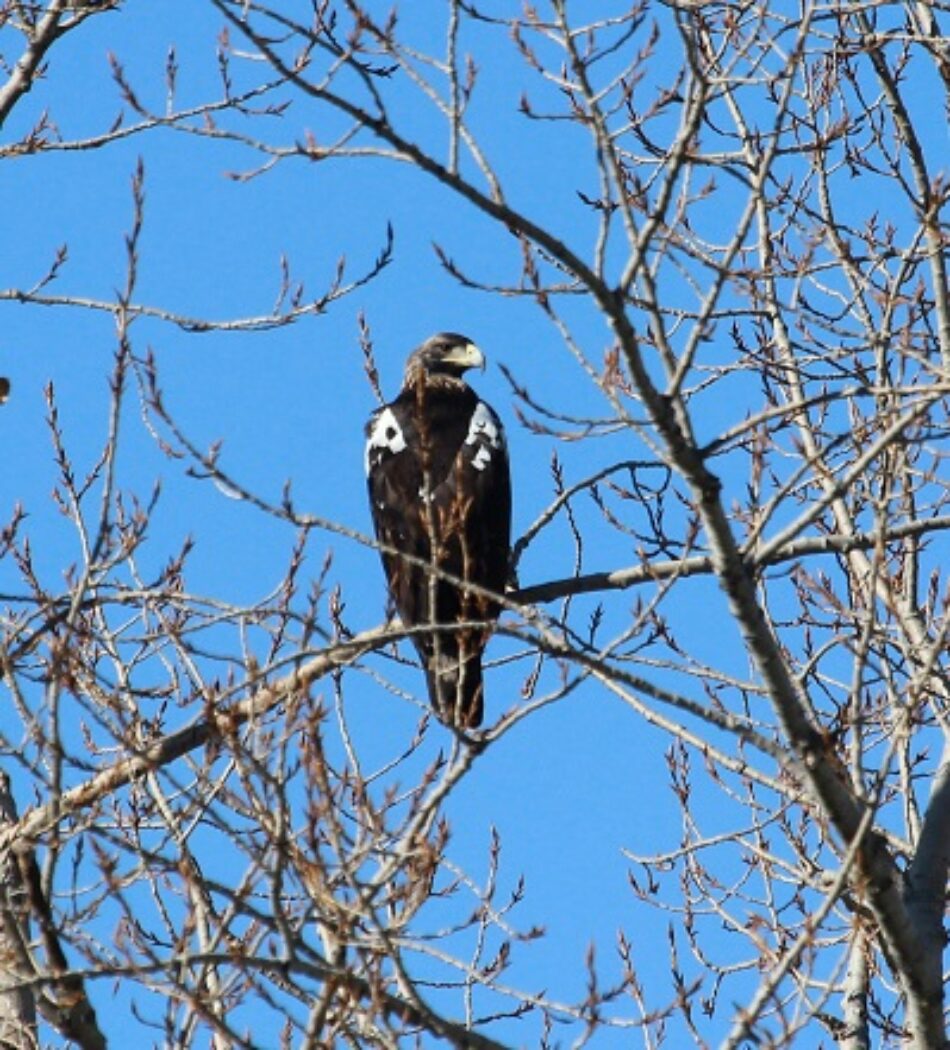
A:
455, 688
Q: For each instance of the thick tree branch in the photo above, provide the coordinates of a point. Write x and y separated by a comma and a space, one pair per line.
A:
40, 38
703, 565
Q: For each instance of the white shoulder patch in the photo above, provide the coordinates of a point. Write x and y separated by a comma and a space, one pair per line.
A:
485, 431
384, 433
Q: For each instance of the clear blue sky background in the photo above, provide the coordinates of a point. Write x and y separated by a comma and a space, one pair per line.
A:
573, 785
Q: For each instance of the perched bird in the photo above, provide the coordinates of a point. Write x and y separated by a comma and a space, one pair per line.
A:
439, 488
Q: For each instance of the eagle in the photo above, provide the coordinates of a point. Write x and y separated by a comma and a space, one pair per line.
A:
440, 495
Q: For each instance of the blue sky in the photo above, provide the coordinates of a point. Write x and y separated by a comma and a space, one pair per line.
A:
580, 781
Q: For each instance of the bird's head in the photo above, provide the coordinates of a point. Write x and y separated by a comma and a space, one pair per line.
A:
446, 354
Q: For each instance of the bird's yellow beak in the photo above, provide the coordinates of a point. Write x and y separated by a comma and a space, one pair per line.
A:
465, 355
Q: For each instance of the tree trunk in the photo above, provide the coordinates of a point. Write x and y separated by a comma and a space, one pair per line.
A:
17, 1005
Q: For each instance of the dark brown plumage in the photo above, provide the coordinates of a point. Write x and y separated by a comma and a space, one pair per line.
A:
439, 488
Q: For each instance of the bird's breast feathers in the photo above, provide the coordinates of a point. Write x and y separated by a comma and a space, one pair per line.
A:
385, 438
